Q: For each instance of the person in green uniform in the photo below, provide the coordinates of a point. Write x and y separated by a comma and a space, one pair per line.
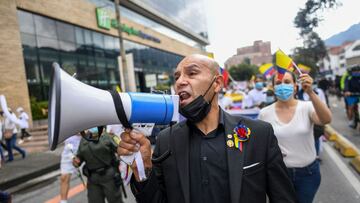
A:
98, 150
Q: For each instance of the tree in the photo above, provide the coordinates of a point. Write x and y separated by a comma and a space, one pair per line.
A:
313, 51
306, 20
247, 60
243, 71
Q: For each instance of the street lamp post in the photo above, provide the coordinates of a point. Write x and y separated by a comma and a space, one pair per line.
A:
122, 50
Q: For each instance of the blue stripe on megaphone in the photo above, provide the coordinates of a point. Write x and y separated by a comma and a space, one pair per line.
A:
151, 108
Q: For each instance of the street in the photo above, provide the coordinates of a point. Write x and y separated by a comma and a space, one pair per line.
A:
48, 192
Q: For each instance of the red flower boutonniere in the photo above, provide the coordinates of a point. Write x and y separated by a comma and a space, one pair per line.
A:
241, 134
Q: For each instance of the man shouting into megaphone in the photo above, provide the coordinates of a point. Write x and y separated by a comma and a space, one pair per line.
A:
212, 156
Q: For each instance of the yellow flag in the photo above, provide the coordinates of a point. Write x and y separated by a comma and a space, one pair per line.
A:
283, 61
265, 67
303, 68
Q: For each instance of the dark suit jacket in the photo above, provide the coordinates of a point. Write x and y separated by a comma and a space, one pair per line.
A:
169, 181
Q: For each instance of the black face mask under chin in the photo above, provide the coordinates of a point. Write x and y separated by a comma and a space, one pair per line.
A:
197, 110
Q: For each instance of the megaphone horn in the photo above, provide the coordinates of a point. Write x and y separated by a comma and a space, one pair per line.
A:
75, 106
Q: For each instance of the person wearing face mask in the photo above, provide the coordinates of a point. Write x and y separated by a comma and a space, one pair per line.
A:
257, 96
203, 164
293, 122
97, 149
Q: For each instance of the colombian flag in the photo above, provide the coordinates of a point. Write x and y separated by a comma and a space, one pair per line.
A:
304, 69
225, 75
283, 63
267, 69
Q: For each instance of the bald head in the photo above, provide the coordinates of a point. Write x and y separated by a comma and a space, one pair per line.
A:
203, 60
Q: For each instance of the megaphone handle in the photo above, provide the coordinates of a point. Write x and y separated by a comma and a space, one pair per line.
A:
119, 107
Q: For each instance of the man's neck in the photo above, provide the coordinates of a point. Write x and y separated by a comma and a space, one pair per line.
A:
211, 121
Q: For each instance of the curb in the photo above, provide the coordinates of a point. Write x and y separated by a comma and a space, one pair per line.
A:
356, 163
344, 146
17, 181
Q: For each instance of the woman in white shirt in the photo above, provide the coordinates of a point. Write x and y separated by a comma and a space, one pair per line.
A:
293, 122
11, 142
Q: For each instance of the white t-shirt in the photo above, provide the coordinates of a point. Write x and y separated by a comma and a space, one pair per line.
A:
10, 124
257, 96
24, 120
296, 139
71, 146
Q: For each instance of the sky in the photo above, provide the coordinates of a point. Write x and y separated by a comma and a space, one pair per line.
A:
237, 23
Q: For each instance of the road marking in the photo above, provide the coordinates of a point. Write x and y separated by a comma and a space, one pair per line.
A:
72, 192
343, 168
334, 105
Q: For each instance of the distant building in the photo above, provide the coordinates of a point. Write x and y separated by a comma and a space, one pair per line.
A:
352, 54
340, 57
258, 54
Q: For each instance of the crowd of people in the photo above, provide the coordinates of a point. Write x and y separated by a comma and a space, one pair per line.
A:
211, 156
285, 167
10, 126
281, 155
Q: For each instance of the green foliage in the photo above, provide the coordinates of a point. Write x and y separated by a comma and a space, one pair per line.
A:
247, 61
313, 51
301, 56
37, 109
243, 72
307, 18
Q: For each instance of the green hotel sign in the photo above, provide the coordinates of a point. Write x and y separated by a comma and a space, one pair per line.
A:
105, 22
103, 18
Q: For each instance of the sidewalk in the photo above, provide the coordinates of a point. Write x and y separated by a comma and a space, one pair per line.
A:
34, 165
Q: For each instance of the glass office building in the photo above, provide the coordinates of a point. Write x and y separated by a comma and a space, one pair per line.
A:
89, 54
36, 33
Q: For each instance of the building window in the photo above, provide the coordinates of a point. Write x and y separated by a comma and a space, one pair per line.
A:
26, 22
65, 32
357, 48
92, 55
45, 27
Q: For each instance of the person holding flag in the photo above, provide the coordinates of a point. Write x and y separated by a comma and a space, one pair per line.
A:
293, 122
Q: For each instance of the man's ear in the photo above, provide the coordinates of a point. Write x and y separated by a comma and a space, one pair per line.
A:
219, 83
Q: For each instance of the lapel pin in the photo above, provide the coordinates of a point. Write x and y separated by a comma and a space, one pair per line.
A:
230, 143
241, 135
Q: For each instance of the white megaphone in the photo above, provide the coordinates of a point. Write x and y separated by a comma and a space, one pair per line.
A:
75, 106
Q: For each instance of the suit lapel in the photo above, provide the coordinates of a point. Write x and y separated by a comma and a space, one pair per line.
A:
235, 159
181, 149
